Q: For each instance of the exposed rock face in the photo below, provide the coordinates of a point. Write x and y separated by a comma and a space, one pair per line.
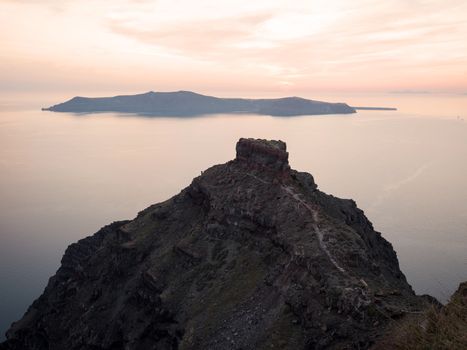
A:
262, 153
249, 256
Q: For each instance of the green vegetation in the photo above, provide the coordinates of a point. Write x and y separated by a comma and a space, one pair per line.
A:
438, 328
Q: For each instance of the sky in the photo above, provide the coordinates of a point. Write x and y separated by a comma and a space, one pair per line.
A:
233, 46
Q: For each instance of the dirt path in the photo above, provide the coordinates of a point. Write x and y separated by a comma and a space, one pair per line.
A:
314, 213
316, 229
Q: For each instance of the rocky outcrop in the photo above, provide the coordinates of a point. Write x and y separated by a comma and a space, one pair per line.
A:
263, 154
251, 255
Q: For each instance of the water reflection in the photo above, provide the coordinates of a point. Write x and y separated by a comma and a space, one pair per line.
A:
64, 176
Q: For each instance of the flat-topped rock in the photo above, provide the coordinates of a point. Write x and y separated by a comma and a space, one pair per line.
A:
271, 154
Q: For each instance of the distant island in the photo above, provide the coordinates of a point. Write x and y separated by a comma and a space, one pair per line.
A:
187, 103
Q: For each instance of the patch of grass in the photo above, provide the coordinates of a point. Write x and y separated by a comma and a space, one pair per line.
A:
436, 329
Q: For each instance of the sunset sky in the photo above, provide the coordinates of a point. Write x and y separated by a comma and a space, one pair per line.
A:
233, 45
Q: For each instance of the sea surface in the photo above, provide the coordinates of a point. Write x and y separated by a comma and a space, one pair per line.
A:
63, 176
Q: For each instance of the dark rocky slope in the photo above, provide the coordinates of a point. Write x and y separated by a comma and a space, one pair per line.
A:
187, 103
251, 255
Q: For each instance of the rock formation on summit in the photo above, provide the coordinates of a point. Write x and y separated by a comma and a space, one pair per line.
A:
251, 255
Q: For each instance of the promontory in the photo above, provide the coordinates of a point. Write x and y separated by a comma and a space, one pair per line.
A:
251, 255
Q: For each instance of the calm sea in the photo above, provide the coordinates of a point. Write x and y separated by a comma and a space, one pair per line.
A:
63, 176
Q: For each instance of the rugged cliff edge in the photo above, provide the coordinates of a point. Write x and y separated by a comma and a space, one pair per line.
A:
436, 328
251, 255
187, 103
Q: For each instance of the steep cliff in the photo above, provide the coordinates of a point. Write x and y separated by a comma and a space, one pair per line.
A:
251, 255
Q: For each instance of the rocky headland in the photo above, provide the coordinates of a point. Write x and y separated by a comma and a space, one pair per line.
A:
251, 255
